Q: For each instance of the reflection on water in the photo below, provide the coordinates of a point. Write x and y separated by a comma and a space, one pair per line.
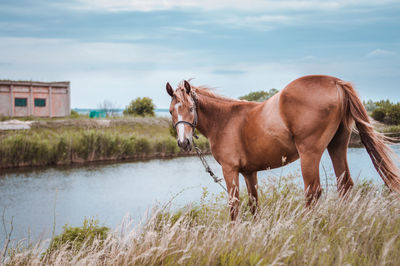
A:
108, 192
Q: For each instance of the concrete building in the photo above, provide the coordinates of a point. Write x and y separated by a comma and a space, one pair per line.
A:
30, 98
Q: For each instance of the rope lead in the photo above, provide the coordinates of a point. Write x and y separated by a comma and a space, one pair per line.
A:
207, 167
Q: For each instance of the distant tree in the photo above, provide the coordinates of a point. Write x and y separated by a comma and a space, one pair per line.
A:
378, 114
386, 104
370, 105
109, 108
141, 107
259, 96
74, 114
393, 115
385, 111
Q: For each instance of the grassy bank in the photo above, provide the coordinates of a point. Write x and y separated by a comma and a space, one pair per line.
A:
63, 142
77, 141
391, 131
364, 230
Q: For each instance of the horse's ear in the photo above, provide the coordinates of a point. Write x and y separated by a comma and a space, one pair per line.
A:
169, 90
187, 87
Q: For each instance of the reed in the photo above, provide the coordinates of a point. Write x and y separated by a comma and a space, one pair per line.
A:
56, 143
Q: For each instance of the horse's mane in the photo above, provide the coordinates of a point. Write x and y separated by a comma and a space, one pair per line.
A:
210, 93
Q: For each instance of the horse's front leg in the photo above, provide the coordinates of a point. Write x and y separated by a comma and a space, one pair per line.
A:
231, 177
251, 183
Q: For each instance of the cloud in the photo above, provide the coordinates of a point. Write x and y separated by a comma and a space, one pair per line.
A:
255, 22
228, 72
309, 58
64, 52
257, 5
182, 30
380, 53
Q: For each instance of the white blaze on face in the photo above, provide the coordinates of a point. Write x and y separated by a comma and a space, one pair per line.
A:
180, 128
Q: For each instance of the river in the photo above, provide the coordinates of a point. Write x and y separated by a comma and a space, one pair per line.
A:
107, 192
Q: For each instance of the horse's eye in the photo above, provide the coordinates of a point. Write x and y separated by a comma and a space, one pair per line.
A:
191, 109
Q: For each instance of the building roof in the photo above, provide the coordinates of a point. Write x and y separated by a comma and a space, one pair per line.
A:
35, 83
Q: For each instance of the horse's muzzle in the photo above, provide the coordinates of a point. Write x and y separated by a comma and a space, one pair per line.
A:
185, 145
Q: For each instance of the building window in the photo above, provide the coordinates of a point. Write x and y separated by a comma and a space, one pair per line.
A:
40, 102
20, 102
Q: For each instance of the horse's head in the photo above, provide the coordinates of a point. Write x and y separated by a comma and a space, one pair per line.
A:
184, 113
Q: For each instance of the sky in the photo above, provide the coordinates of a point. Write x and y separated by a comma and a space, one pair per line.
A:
117, 50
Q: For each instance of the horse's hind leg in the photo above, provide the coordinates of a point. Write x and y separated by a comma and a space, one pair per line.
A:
337, 149
310, 169
251, 183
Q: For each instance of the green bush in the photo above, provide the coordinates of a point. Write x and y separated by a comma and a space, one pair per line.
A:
385, 111
259, 96
203, 143
172, 131
166, 145
393, 115
4, 118
74, 114
378, 114
140, 107
142, 145
75, 237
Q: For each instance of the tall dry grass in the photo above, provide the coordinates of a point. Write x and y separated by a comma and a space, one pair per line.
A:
363, 230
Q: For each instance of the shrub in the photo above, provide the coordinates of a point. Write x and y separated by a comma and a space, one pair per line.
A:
393, 114
203, 143
73, 238
4, 118
259, 96
141, 107
62, 150
142, 145
386, 112
74, 114
166, 145
378, 114
172, 131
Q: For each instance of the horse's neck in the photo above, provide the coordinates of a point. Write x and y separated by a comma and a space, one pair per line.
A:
214, 114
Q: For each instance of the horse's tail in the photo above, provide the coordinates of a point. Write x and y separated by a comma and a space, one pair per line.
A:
381, 154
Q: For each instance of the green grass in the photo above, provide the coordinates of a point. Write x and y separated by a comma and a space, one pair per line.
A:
363, 230
391, 129
79, 141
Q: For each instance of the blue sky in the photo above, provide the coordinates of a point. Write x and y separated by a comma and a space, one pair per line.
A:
118, 50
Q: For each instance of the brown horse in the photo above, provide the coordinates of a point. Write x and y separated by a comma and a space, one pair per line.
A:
311, 114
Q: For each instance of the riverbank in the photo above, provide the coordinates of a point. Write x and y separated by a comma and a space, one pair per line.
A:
364, 230
390, 131
72, 141
47, 142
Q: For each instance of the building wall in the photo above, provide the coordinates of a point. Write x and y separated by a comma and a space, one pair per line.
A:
56, 96
5, 100
60, 102
21, 92
40, 93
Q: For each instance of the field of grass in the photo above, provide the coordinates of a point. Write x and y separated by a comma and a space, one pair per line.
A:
363, 230
55, 142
